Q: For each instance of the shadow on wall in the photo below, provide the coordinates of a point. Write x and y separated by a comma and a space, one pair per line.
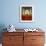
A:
2, 26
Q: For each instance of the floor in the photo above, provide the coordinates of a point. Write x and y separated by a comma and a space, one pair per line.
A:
0, 44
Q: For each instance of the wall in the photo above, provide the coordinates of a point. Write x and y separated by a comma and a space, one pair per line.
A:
10, 13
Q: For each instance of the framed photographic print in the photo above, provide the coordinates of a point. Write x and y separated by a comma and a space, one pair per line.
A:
26, 13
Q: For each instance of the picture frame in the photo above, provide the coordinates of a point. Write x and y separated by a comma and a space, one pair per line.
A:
26, 13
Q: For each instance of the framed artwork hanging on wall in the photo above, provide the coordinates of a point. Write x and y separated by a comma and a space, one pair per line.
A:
26, 13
